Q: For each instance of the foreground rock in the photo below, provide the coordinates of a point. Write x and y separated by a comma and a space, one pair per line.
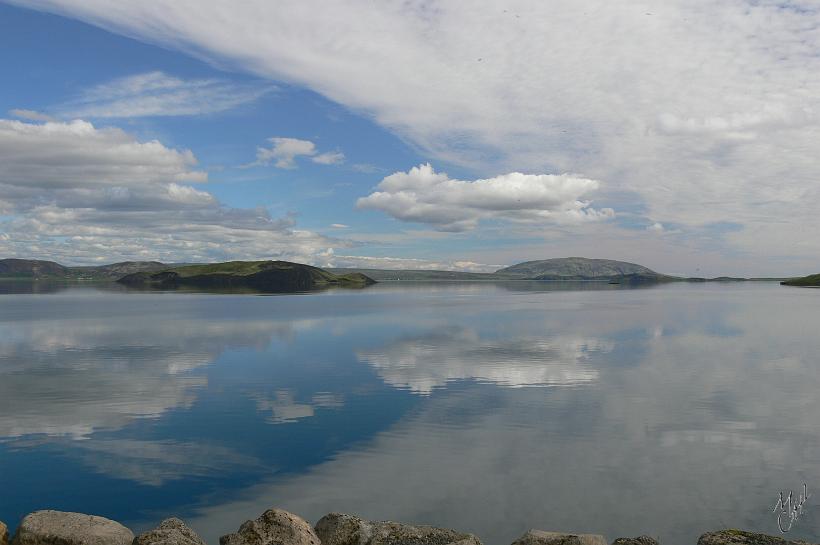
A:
640, 540
61, 528
540, 537
4, 534
339, 529
273, 527
739, 537
170, 531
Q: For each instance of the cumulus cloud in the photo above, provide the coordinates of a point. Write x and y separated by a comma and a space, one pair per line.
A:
425, 196
159, 94
284, 151
705, 110
75, 192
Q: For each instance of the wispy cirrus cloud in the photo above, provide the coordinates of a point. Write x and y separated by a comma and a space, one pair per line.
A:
30, 115
160, 94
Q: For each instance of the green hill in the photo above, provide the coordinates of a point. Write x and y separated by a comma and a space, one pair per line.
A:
263, 276
811, 281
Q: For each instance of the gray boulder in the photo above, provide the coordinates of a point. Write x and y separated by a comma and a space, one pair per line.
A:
4, 534
62, 528
273, 527
170, 531
740, 537
640, 540
340, 529
540, 537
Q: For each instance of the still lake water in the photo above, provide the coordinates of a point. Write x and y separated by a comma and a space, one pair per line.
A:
489, 408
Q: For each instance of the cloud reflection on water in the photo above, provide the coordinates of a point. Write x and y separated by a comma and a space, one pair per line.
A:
426, 362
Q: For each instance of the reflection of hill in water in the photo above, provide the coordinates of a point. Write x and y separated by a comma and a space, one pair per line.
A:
10, 287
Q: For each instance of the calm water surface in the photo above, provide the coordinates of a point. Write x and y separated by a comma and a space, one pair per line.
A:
489, 408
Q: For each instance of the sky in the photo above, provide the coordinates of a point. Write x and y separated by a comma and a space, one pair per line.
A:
683, 135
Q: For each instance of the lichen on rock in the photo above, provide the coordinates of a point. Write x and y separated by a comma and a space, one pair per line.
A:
64, 528
741, 537
341, 529
640, 540
170, 531
540, 537
273, 527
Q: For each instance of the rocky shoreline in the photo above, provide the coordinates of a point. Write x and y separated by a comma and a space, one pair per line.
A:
278, 527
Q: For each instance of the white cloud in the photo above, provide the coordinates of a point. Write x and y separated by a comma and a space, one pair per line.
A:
339, 226
329, 158
158, 94
707, 110
77, 193
284, 151
426, 196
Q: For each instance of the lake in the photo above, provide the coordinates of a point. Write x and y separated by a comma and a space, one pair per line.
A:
491, 408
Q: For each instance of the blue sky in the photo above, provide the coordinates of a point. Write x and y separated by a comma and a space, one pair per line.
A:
419, 135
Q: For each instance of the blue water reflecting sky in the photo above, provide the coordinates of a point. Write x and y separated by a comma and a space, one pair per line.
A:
491, 408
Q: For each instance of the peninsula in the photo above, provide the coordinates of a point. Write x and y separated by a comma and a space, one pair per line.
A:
811, 281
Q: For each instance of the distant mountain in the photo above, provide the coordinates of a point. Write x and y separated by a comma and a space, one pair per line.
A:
264, 276
31, 269
580, 268
420, 275
811, 281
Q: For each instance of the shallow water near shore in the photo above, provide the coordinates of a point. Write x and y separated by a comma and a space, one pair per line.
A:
491, 408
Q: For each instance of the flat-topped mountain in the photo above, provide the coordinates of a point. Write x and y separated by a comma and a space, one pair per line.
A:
264, 276
578, 268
